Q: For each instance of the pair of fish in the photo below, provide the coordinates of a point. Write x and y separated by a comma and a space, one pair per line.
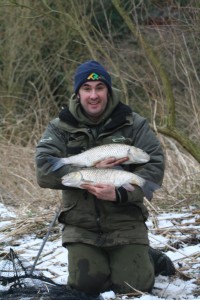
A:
118, 177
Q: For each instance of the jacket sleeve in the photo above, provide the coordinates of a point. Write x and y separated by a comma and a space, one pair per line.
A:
152, 171
146, 139
52, 144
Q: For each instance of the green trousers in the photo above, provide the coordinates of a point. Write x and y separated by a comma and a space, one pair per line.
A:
94, 270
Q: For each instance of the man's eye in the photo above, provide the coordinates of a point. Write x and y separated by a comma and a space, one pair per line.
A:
85, 88
100, 88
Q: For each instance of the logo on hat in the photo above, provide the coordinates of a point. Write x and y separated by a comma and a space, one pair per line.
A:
95, 76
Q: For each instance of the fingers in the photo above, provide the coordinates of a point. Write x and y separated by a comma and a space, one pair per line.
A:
101, 191
105, 163
121, 160
89, 187
110, 162
93, 187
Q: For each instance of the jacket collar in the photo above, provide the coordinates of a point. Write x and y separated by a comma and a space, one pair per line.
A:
116, 118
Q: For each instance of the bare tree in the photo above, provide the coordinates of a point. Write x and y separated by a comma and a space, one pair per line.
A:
170, 128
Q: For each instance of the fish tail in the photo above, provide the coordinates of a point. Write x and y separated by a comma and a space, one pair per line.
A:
149, 188
56, 163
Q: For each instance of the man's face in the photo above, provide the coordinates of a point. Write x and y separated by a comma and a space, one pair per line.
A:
93, 98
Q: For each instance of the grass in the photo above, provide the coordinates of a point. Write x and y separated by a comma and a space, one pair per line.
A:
18, 186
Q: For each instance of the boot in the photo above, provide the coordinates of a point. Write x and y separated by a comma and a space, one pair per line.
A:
162, 263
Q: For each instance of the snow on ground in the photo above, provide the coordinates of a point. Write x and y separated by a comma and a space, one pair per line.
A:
176, 233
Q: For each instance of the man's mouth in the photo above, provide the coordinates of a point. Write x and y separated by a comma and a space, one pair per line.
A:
94, 102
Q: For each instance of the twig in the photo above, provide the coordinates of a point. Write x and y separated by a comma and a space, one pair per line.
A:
22, 178
137, 291
149, 203
170, 247
175, 204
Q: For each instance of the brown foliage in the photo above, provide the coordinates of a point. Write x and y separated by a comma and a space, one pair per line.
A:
41, 44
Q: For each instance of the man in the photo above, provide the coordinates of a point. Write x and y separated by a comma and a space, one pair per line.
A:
104, 227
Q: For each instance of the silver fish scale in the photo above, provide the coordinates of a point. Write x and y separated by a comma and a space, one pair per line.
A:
110, 176
93, 155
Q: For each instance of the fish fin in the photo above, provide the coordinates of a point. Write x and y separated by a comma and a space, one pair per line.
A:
149, 188
87, 182
56, 163
129, 187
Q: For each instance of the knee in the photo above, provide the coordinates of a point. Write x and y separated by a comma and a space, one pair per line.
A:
143, 283
91, 286
91, 283
138, 276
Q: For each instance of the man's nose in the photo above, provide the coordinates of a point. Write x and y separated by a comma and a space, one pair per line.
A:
93, 94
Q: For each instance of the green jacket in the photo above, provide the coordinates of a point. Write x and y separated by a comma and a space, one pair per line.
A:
85, 218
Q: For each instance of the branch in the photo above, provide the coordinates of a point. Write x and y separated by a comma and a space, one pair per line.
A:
170, 128
153, 58
192, 148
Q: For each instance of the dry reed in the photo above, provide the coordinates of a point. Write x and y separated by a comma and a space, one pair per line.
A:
18, 185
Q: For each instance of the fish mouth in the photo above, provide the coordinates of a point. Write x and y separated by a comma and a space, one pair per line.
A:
144, 160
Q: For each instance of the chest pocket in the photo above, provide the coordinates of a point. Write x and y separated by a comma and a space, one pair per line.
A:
76, 143
116, 139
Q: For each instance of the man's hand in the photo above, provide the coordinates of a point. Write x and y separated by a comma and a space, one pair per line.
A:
111, 162
101, 191
105, 191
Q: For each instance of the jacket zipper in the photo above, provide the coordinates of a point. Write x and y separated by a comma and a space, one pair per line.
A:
95, 200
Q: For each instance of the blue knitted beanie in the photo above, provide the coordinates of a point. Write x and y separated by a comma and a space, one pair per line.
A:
89, 71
